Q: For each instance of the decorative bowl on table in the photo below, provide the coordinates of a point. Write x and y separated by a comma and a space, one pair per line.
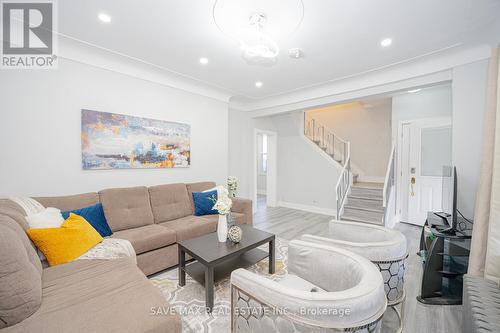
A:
234, 234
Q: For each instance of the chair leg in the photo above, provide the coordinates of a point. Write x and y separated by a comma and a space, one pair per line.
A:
400, 328
400, 313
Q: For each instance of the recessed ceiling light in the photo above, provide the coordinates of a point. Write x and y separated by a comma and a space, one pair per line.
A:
104, 17
203, 61
414, 91
386, 42
258, 84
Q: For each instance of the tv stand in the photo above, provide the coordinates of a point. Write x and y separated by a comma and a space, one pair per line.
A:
448, 231
445, 256
446, 227
443, 215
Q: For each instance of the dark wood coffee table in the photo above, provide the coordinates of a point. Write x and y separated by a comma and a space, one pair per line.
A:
215, 260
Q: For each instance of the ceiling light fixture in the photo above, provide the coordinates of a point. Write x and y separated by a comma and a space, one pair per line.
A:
257, 47
414, 91
386, 42
258, 84
257, 25
203, 61
104, 17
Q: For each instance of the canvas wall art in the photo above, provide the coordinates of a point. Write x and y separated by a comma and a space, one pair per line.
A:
116, 141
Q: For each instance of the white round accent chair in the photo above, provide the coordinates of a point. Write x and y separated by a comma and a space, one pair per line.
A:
327, 289
386, 248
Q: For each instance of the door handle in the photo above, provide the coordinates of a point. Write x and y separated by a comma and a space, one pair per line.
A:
412, 183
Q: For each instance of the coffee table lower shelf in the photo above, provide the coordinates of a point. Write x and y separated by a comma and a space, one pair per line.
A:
196, 270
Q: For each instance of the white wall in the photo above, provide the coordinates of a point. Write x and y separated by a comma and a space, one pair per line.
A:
469, 105
305, 177
241, 148
428, 103
367, 129
40, 129
240, 151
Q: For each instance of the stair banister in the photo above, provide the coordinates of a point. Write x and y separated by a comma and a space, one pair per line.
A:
328, 141
389, 178
344, 181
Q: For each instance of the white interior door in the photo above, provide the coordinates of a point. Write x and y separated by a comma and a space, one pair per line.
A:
271, 166
271, 183
426, 148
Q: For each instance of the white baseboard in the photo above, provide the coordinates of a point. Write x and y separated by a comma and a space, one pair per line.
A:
307, 208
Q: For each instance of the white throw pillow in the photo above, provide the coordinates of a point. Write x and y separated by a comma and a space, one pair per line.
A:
48, 218
220, 189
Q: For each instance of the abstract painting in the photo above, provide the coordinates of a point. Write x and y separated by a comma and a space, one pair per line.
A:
116, 141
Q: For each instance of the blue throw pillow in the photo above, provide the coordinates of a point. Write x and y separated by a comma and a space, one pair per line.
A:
95, 216
203, 203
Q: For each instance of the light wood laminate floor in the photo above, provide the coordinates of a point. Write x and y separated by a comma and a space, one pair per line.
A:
418, 318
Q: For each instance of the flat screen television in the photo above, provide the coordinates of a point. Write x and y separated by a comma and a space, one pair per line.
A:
449, 197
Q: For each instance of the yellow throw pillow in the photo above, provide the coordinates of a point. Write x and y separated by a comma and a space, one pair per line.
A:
61, 245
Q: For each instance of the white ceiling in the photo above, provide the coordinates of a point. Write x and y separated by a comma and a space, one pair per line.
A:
339, 38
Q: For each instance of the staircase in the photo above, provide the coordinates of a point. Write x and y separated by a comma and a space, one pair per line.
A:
339, 150
365, 204
356, 201
331, 144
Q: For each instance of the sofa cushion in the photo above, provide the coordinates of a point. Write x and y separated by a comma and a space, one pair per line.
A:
14, 211
95, 216
147, 238
198, 187
61, 245
69, 202
169, 202
190, 226
243, 206
48, 218
20, 280
204, 203
99, 296
126, 208
158, 260
238, 218
28, 245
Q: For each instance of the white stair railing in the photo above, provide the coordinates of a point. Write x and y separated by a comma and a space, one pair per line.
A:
336, 148
344, 183
390, 179
324, 138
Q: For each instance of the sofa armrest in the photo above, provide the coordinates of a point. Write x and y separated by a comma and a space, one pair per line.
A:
243, 206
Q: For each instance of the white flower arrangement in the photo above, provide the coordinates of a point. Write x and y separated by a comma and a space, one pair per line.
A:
232, 185
223, 203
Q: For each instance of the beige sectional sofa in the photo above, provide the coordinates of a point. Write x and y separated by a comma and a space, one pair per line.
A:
102, 295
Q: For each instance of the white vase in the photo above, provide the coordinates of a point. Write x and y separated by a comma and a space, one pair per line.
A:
222, 228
